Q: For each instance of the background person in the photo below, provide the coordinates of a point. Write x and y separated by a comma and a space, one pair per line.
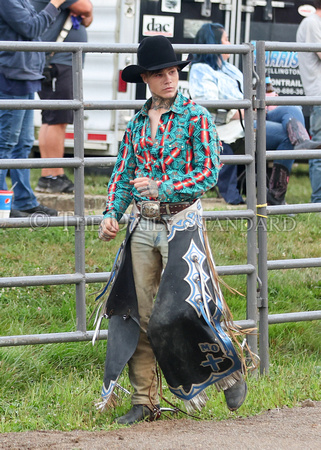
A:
169, 154
212, 77
309, 31
20, 75
59, 87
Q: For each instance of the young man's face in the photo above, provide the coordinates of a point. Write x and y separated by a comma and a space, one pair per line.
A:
162, 83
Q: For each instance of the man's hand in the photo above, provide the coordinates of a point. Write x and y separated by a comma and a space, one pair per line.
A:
86, 20
145, 186
83, 9
57, 3
108, 229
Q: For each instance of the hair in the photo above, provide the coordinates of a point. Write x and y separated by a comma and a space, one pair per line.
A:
151, 72
317, 4
209, 33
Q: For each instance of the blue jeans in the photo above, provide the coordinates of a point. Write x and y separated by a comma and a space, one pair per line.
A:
16, 141
276, 130
315, 164
227, 180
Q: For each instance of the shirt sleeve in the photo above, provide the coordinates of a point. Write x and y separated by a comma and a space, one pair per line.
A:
313, 33
25, 21
204, 166
202, 85
119, 194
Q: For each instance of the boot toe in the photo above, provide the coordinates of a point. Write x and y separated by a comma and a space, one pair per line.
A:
236, 395
138, 413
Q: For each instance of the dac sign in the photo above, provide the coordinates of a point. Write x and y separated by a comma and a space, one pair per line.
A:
156, 25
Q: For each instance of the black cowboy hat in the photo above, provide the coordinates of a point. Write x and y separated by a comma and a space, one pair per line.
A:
154, 53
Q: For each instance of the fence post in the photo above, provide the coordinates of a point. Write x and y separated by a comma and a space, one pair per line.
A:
79, 192
261, 209
251, 312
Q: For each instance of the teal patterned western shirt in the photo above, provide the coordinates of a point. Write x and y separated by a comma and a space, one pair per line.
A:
184, 158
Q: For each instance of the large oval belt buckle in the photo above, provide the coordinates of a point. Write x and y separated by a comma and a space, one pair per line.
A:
150, 210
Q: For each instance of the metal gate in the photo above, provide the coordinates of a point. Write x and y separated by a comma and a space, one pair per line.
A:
255, 158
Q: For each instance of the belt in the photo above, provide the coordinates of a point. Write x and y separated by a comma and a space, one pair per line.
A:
154, 209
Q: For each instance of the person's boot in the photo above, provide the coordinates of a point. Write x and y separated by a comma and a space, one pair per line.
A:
236, 395
299, 136
138, 413
278, 185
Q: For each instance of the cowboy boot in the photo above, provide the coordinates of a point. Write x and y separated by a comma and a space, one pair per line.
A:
139, 413
236, 395
299, 136
278, 185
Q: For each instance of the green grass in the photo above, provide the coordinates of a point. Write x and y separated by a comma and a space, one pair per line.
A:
55, 386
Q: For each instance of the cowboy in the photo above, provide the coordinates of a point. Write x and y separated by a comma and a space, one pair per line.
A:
168, 158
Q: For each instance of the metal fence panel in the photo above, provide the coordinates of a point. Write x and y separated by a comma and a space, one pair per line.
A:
256, 213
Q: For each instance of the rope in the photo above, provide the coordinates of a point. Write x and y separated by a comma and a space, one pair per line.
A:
261, 206
176, 409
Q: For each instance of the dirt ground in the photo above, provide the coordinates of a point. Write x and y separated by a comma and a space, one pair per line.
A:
290, 429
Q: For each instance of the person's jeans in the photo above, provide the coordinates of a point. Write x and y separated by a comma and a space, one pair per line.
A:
227, 180
276, 130
149, 250
315, 164
16, 141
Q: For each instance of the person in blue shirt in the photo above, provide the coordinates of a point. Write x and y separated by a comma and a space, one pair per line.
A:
58, 86
20, 78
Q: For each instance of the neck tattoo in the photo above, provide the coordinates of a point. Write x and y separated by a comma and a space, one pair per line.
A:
162, 103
